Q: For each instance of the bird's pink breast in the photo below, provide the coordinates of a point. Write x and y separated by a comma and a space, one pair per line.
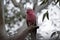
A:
31, 18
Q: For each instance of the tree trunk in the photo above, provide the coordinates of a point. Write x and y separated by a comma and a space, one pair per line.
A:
2, 29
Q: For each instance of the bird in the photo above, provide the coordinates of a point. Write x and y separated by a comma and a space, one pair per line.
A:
31, 22
30, 17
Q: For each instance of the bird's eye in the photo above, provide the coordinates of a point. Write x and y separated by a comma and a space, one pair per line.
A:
27, 12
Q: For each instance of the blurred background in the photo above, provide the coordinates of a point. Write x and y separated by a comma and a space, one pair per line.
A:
46, 11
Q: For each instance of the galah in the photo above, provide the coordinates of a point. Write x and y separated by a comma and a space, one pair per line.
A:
30, 17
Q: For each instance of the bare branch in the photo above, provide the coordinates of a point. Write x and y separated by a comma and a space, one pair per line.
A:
3, 34
19, 5
40, 7
59, 3
50, 1
44, 6
15, 3
35, 4
27, 0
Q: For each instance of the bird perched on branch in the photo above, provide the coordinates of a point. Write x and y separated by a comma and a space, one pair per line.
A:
30, 17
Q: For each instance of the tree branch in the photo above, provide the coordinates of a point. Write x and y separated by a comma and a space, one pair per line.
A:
19, 5
25, 32
40, 7
43, 6
27, 0
59, 3
15, 3
3, 34
35, 4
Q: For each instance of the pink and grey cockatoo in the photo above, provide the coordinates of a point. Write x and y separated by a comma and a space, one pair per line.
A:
30, 17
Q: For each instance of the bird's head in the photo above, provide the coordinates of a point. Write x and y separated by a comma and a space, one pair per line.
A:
29, 11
